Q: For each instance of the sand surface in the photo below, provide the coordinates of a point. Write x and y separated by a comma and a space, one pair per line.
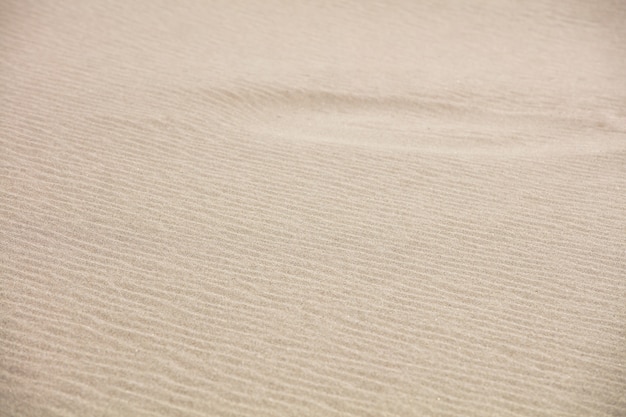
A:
290, 208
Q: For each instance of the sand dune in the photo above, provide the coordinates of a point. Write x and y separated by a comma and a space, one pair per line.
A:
313, 208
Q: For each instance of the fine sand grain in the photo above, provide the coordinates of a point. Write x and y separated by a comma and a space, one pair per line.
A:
312, 208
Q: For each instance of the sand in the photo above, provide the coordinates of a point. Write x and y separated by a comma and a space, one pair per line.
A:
289, 208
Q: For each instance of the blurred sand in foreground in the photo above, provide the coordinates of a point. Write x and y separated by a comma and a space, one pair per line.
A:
272, 208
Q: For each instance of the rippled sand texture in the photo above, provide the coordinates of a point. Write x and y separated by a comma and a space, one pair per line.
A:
273, 208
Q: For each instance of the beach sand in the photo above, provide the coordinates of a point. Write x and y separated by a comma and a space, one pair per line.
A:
273, 208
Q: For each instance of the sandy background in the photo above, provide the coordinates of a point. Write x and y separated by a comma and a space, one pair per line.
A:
273, 208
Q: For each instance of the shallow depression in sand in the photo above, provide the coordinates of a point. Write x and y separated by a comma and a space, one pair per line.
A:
417, 124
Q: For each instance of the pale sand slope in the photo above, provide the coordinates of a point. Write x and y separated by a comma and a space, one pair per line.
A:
298, 208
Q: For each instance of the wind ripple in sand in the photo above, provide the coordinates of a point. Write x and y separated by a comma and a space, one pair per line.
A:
238, 274
188, 227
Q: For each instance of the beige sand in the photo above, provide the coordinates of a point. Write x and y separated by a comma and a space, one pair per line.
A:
273, 208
